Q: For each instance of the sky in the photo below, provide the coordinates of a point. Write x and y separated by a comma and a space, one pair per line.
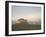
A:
32, 13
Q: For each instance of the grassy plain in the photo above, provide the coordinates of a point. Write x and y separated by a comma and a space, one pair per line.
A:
26, 27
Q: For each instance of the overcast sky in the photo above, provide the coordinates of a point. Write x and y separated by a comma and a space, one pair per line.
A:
27, 12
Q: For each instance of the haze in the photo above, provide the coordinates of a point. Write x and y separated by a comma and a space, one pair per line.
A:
31, 13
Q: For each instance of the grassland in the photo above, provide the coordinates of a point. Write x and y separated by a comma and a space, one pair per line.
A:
26, 27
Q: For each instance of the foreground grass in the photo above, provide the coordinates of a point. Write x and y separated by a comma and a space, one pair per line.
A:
26, 27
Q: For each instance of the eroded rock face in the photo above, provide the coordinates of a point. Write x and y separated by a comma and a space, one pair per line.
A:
21, 22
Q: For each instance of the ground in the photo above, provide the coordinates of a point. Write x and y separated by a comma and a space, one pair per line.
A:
26, 27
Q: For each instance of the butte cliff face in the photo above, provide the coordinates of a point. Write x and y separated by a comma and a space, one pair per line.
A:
21, 22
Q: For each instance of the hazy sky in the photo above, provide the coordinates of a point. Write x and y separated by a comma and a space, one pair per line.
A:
27, 12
